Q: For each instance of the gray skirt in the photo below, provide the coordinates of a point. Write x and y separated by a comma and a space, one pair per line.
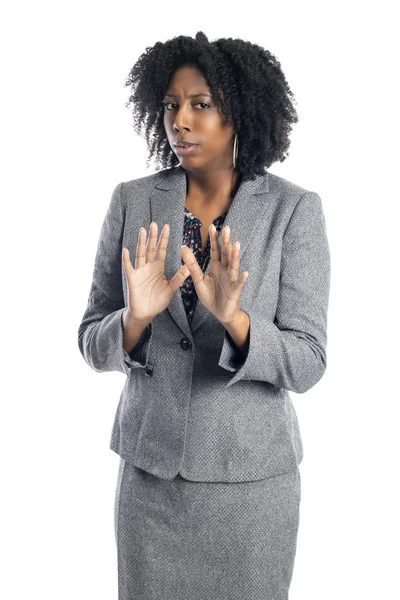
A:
184, 539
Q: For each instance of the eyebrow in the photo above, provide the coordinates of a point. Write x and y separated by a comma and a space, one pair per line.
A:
193, 96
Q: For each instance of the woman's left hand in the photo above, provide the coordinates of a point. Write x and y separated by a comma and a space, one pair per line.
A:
220, 290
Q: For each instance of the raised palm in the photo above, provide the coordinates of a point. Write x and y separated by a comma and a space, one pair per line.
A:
149, 291
220, 289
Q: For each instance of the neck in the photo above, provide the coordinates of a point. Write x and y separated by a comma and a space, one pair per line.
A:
211, 187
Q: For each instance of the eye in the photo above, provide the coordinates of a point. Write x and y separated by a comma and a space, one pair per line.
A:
167, 103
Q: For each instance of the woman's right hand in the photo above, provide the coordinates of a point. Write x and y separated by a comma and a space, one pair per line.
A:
149, 292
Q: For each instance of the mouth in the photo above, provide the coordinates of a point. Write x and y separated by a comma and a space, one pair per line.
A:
185, 149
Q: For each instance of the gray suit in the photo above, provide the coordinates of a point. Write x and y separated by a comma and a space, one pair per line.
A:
191, 403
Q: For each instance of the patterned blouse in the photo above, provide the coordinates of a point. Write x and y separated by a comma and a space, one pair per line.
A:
192, 238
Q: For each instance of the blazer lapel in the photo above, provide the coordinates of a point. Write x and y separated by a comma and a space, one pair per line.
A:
167, 206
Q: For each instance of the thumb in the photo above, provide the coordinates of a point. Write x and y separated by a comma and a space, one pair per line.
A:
185, 271
179, 278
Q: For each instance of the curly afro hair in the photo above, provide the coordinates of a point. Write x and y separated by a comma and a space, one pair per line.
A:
257, 99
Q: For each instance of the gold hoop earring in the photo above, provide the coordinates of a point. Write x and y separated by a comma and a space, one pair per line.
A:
235, 150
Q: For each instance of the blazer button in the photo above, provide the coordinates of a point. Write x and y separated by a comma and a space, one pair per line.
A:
149, 370
186, 344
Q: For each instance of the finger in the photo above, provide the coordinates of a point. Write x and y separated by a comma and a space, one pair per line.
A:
242, 280
161, 251
179, 278
214, 244
192, 264
152, 242
126, 259
234, 265
226, 246
140, 259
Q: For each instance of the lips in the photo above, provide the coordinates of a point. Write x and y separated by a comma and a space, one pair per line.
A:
184, 144
185, 150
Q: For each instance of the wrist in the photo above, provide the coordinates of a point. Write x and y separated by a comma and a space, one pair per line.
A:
233, 320
130, 319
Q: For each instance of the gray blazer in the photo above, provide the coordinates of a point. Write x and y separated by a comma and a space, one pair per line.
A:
192, 403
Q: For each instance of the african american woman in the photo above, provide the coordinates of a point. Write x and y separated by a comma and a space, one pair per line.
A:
210, 293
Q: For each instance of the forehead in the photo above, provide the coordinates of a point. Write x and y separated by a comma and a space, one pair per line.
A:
190, 81
188, 78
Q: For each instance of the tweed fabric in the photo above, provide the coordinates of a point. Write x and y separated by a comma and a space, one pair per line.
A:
181, 539
192, 403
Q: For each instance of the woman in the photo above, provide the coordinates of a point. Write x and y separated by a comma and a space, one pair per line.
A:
208, 492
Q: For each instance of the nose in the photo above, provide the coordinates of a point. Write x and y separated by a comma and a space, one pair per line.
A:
181, 119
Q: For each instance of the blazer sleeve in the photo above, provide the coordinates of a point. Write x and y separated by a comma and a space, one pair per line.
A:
100, 334
290, 352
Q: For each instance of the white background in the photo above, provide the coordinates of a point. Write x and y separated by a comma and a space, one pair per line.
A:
67, 140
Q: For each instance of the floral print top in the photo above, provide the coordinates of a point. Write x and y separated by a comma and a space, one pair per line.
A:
192, 238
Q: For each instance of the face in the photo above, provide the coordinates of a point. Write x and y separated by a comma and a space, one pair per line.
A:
196, 120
